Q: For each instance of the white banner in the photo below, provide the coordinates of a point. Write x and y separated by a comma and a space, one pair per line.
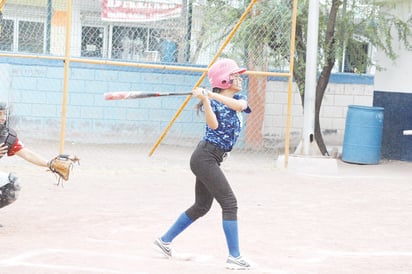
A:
140, 10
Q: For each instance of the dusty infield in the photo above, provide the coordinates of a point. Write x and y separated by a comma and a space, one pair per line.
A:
106, 217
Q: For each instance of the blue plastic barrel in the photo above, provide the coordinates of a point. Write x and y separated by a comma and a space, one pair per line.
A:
362, 140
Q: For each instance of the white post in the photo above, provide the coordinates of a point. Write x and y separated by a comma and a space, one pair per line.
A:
311, 76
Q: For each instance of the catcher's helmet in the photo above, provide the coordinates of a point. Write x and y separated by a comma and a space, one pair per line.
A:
220, 72
4, 107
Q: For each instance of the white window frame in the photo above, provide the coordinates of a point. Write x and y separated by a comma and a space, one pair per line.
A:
16, 32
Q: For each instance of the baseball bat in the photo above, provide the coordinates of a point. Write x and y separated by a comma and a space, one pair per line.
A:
124, 95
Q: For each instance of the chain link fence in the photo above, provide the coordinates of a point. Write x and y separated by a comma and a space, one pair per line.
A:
152, 45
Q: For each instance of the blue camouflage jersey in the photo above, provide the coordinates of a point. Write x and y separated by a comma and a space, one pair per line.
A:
230, 125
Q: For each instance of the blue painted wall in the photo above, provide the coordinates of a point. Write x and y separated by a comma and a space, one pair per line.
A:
397, 118
36, 97
35, 92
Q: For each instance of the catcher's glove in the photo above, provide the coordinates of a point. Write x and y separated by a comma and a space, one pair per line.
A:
61, 165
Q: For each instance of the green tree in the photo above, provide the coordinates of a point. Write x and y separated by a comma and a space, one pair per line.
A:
341, 23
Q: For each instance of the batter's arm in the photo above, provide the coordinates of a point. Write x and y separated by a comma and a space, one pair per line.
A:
237, 105
211, 119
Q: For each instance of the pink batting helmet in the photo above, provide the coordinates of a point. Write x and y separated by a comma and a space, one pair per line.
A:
219, 73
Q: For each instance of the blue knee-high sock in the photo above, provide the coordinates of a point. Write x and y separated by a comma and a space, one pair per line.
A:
181, 224
232, 237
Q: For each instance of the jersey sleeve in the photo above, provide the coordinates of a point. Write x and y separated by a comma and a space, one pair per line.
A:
15, 147
243, 97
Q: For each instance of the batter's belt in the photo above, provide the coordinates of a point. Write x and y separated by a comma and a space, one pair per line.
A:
215, 149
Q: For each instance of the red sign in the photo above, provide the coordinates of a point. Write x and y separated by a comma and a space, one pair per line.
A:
139, 10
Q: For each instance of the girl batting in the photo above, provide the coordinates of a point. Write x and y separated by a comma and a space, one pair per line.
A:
222, 108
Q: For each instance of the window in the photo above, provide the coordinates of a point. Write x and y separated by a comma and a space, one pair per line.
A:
6, 35
92, 41
356, 57
121, 42
134, 43
31, 37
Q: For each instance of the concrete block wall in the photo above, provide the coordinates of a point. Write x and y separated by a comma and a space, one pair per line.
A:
35, 89
343, 90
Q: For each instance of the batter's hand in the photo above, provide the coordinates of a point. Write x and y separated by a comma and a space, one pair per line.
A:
200, 93
3, 149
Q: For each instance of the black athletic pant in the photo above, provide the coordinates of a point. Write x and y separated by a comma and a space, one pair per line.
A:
211, 183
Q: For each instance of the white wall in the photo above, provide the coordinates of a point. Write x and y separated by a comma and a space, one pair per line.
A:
396, 76
338, 96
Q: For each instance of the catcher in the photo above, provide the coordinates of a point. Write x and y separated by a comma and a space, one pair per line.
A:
11, 145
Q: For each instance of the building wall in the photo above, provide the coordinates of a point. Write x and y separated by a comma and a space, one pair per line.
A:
34, 88
393, 91
395, 76
344, 89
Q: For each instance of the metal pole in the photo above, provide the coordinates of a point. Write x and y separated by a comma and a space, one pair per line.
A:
66, 73
203, 76
311, 76
343, 35
290, 79
188, 37
48, 25
136, 65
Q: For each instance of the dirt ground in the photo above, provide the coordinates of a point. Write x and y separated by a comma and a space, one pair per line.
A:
104, 220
